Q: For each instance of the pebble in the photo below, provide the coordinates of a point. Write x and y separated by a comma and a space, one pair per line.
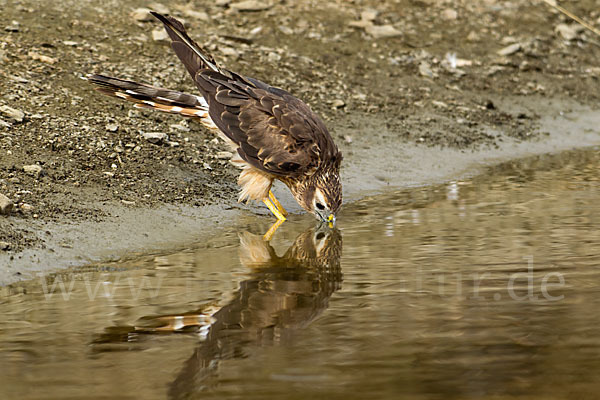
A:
369, 14
33, 170
112, 127
195, 14
4, 246
382, 31
159, 8
160, 35
224, 155
250, 5
40, 57
338, 103
6, 205
568, 32
13, 27
508, 50
141, 15
70, 43
155, 137
449, 14
13, 113
425, 70
286, 30
222, 3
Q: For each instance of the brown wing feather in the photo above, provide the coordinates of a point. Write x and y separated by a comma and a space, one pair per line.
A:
276, 132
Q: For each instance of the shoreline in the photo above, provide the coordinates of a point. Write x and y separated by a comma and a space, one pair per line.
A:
127, 231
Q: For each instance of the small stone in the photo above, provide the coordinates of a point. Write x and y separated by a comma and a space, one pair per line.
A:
26, 207
250, 5
112, 127
449, 14
338, 103
348, 139
13, 27
369, 14
273, 57
155, 137
141, 15
159, 8
6, 205
206, 166
473, 36
508, 50
568, 32
33, 170
229, 52
286, 30
382, 31
4, 246
40, 57
160, 35
13, 113
70, 43
222, 3
224, 155
195, 14
439, 104
425, 70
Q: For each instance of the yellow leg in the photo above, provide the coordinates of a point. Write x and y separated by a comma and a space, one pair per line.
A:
274, 209
277, 204
269, 235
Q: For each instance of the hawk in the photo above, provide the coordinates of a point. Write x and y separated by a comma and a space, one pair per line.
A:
273, 134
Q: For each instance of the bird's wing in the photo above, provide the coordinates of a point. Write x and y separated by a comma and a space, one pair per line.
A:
275, 132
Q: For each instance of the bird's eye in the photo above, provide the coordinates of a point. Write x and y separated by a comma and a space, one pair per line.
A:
320, 235
320, 206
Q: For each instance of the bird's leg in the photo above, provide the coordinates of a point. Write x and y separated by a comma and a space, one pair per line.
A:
269, 235
274, 209
277, 204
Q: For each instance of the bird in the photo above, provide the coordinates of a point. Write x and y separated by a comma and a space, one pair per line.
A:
273, 134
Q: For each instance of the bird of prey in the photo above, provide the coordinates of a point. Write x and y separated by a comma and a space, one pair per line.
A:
273, 134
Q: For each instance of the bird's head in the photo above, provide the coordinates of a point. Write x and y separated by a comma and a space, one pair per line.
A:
321, 195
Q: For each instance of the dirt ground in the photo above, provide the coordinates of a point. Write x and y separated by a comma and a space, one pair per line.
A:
435, 73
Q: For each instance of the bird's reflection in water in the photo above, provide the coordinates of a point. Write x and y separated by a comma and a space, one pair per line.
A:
282, 293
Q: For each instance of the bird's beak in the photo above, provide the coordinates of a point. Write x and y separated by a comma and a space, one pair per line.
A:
331, 220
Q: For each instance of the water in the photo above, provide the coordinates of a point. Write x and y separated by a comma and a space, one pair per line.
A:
486, 288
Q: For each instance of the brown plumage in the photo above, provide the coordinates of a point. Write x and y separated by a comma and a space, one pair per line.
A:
274, 134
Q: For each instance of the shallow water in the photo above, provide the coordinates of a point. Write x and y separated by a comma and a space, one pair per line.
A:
483, 288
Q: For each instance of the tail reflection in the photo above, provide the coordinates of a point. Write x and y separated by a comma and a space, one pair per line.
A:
282, 293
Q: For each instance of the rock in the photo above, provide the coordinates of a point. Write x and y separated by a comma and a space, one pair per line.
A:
4, 246
160, 35
6, 205
112, 127
369, 14
33, 170
286, 30
159, 8
40, 57
382, 31
12, 113
229, 51
473, 36
338, 103
13, 27
222, 3
508, 50
250, 5
155, 137
141, 15
449, 14
425, 70
195, 14
273, 57
568, 32
348, 139
70, 43
26, 207
224, 155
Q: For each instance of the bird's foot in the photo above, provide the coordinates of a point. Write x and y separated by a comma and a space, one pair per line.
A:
277, 204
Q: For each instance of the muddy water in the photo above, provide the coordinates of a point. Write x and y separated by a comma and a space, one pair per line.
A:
485, 288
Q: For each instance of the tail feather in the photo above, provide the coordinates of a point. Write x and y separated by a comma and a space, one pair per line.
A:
151, 97
189, 52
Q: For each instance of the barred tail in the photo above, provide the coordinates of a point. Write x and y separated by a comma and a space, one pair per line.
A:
146, 96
